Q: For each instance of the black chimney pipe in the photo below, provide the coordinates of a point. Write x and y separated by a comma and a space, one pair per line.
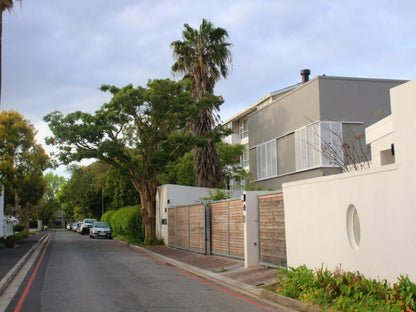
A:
305, 75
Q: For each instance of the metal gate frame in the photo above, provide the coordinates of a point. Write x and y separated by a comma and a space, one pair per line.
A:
206, 245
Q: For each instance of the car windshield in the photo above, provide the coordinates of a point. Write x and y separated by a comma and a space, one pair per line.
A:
89, 220
101, 225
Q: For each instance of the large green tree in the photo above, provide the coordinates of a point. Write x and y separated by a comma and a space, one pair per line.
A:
22, 163
204, 57
4, 5
81, 196
49, 207
140, 130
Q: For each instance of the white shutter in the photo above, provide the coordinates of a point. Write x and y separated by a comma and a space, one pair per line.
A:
301, 152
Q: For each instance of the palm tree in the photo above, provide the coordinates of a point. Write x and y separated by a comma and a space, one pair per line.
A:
4, 5
203, 56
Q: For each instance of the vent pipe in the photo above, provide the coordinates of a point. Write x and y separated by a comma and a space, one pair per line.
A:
305, 75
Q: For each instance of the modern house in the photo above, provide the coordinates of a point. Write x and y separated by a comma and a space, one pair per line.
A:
311, 129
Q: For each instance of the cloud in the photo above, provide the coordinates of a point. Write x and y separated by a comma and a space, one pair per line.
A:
56, 54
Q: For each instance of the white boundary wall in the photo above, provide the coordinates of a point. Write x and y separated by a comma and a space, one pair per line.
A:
316, 209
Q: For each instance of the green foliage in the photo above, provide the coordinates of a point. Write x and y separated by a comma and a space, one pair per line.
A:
295, 280
81, 197
18, 236
48, 208
22, 163
217, 195
106, 217
127, 221
118, 189
346, 291
180, 171
19, 227
203, 57
140, 131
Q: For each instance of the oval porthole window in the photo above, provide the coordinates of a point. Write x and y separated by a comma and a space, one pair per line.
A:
353, 227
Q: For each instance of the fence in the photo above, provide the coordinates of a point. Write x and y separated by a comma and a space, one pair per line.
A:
218, 228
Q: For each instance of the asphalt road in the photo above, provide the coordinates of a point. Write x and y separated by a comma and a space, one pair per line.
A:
75, 273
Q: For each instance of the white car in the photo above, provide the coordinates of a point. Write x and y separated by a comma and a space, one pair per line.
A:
86, 225
100, 229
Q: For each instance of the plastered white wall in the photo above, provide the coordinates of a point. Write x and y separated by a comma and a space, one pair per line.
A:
316, 209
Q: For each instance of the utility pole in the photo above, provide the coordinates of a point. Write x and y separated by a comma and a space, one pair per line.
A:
102, 201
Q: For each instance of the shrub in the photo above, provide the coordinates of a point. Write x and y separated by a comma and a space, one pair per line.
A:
17, 236
347, 291
128, 221
19, 227
106, 217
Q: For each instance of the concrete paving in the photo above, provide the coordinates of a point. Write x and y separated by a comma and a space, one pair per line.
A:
224, 266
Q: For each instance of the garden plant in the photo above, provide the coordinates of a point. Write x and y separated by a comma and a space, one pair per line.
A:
346, 291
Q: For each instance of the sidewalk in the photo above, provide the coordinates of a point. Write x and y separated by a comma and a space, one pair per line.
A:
9, 257
229, 273
231, 268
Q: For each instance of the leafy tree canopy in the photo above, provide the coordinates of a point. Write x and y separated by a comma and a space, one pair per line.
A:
140, 130
22, 163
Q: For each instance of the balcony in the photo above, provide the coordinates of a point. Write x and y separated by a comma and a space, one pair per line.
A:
234, 138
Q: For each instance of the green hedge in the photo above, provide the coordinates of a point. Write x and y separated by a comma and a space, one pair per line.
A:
19, 227
106, 217
126, 221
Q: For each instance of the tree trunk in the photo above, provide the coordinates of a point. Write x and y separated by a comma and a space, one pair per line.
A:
148, 201
207, 166
206, 160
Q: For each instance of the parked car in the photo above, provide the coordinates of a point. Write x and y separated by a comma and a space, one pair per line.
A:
86, 225
75, 227
68, 225
100, 229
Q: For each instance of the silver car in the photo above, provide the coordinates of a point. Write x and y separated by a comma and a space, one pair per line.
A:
100, 229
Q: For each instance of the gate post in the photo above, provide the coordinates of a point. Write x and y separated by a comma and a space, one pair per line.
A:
251, 229
207, 228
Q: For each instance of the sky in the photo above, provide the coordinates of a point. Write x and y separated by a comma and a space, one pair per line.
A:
56, 54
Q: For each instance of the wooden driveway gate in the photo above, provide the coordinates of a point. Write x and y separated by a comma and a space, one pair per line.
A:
187, 228
272, 237
227, 228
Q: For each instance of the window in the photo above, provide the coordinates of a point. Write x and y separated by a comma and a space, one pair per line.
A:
318, 144
331, 145
244, 157
266, 160
243, 128
353, 227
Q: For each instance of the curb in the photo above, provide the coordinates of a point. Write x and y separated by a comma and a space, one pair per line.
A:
237, 286
7, 279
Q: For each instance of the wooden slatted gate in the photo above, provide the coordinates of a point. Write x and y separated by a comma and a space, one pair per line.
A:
227, 228
272, 237
187, 228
